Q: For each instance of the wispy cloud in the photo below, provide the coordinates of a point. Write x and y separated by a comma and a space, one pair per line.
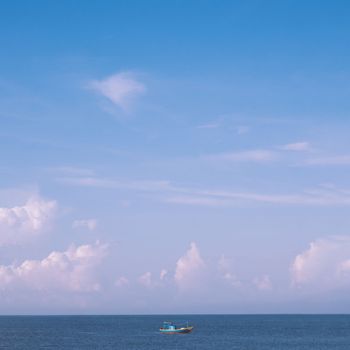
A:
318, 196
196, 200
71, 171
255, 156
329, 160
173, 194
141, 185
268, 155
240, 129
296, 147
120, 89
90, 224
209, 126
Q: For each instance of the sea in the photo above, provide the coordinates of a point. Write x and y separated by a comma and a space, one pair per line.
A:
248, 332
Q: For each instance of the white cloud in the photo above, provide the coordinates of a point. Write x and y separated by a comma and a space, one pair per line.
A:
240, 129
189, 268
196, 200
225, 268
330, 160
320, 196
120, 88
254, 156
71, 171
344, 268
22, 222
163, 274
297, 147
90, 224
142, 185
72, 270
324, 265
232, 279
121, 282
263, 283
146, 279
171, 193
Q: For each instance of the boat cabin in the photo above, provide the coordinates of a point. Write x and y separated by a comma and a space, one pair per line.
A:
169, 326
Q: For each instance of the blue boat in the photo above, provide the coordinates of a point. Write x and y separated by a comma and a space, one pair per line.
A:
171, 328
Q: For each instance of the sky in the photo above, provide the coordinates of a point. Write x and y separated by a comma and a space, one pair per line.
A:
174, 157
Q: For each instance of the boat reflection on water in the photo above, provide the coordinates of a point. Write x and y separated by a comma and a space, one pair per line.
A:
171, 328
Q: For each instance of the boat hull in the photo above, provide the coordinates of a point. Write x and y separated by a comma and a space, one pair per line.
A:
183, 330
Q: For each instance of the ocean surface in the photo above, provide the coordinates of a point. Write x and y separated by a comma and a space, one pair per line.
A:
251, 332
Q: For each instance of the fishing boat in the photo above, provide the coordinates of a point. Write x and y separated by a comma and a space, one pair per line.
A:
171, 328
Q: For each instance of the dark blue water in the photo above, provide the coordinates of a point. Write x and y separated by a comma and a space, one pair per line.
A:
141, 332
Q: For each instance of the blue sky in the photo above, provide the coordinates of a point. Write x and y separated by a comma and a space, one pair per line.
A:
174, 157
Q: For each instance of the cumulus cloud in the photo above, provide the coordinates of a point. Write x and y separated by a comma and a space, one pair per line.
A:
324, 265
232, 279
163, 274
72, 270
90, 224
146, 279
189, 268
263, 283
120, 88
22, 222
225, 270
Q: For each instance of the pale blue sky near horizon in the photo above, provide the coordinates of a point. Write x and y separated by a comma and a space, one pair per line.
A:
174, 157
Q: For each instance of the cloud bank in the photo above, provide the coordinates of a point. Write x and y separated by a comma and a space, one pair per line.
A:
72, 270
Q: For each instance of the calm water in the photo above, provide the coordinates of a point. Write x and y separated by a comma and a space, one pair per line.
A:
140, 332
